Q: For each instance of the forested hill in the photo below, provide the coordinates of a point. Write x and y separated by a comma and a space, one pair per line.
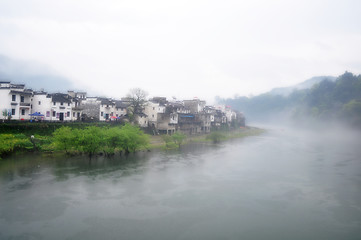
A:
325, 101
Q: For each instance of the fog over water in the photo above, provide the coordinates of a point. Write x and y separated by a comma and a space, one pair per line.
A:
285, 184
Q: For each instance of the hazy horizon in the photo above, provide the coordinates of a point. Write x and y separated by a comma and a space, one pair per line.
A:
184, 49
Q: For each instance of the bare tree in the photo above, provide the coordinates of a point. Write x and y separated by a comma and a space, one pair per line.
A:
137, 99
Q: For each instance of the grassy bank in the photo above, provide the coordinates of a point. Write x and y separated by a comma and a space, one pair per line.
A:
223, 135
89, 140
93, 139
213, 137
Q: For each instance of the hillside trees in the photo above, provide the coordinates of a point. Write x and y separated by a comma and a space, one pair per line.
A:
326, 100
138, 99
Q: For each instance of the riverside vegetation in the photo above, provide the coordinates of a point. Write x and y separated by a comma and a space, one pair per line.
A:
99, 139
89, 140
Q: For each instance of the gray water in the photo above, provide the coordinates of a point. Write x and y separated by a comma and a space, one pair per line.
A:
284, 184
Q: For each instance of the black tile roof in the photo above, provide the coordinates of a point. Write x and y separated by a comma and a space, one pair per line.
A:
60, 97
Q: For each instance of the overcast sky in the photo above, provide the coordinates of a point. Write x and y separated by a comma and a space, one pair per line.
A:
184, 48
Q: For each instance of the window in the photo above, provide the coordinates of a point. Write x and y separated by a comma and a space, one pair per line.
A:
101, 114
13, 97
47, 113
57, 115
54, 113
54, 103
22, 98
73, 114
13, 111
22, 111
39, 102
61, 103
152, 115
68, 104
153, 108
68, 114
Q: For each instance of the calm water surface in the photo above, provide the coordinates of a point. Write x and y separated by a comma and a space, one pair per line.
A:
284, 184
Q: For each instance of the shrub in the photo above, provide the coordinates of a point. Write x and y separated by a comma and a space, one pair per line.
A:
215, 137
169, 143
64, 138
178, 138
132, 138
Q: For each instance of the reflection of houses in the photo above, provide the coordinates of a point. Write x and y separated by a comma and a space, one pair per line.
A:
15, 100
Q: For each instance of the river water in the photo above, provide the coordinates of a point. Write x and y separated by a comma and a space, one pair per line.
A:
284, 184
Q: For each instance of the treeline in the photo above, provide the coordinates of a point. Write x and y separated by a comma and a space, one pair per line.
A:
328, 100
90, 140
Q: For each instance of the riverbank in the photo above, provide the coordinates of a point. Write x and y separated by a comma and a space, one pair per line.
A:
223, 135
100, 140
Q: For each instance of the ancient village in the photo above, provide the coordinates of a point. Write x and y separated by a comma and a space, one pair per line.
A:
157, 115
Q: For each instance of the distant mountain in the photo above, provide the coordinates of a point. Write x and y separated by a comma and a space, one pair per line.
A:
33, 75
317, 99
285, 91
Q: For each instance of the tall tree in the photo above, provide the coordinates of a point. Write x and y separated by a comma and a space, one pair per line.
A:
137, 98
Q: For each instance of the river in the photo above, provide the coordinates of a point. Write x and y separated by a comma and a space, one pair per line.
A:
284, 184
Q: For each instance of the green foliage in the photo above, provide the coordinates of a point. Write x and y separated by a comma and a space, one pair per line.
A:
89, 140
178, 138
215, 137
10, 143
352, 112
5, 114
326, 100
132, 138
169, 143
64, 139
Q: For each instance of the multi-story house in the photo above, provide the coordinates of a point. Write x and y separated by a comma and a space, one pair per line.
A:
107, 109
42, 104
162, 116
54, 107
77, 97
15, 101
121, 109
195, 105
151, 109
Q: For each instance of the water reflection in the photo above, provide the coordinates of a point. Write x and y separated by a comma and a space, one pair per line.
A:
282, 185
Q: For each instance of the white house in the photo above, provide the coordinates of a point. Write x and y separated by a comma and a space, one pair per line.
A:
152, 109
121, 108
195, 105
141, 119
15, 101
107, 109
54, 107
